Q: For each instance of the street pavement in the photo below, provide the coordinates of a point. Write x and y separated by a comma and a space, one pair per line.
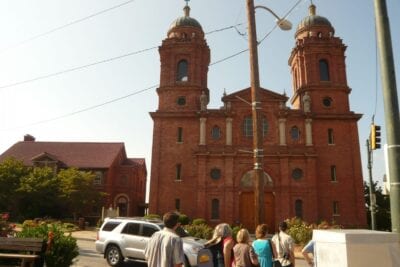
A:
89, 257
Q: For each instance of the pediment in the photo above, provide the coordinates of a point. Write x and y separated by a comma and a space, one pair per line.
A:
264, 95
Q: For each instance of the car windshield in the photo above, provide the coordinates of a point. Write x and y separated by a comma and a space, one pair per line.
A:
181, 232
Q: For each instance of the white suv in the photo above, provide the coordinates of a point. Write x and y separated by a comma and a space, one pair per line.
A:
122, 239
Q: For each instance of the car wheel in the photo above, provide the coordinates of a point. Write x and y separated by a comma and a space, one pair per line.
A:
114, 256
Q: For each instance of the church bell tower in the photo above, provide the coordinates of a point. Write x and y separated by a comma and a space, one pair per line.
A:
318, 67
184, 57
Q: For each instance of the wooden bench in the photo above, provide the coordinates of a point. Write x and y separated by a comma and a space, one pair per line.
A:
28, 250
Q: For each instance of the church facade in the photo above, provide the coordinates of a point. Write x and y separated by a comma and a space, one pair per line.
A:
201, 165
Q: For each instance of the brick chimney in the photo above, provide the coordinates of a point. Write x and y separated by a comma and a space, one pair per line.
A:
29, 138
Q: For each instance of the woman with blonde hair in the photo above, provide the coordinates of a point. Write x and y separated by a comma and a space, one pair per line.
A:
244, 253
221, 245
263, 246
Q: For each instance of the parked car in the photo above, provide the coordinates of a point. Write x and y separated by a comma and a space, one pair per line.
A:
121, 239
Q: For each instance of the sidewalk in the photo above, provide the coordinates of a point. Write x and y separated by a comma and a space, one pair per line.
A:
88, 235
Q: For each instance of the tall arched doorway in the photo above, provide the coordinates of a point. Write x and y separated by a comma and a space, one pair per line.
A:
246, 202
122, 203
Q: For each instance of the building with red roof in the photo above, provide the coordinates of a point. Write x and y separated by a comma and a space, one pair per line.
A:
122, 178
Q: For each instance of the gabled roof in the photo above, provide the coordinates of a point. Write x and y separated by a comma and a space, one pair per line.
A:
72, 154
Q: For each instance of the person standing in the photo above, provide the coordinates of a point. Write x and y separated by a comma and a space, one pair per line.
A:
307, 250
165, 247
284, 245
221, 245
263, 246
243, 253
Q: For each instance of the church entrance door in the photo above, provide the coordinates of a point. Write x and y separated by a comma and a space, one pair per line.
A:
247, 211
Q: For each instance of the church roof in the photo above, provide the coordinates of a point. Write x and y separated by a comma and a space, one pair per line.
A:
72, 154
313, 20
185, 21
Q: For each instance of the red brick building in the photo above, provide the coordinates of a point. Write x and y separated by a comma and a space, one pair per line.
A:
312, 160
122, 178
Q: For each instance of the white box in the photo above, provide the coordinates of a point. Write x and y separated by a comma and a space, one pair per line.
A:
356, 248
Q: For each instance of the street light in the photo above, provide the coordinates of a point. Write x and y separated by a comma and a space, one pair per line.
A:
255, 106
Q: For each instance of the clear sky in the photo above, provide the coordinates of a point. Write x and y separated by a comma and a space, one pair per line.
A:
41, 38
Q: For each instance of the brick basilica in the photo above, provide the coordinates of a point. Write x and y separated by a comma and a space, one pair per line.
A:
312, 163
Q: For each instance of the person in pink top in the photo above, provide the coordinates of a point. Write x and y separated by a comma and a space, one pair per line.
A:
221, 245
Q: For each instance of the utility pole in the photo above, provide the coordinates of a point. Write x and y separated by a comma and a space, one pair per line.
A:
372, 199
255, 107
391, 105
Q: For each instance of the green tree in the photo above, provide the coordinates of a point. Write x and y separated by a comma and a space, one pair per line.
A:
383, 219
77, 191
39, 193
11, 172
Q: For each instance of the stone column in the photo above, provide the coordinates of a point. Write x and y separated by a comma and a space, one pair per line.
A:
308, 132
282, 131
202, 131
229, 131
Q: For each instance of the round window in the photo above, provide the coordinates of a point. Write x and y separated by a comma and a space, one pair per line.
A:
181, 101
297, 174
327, 101
215, 174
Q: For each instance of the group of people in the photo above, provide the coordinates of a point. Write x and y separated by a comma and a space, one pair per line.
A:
165, 248
263, 252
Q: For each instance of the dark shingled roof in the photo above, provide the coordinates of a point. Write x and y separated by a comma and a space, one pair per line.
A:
72, 154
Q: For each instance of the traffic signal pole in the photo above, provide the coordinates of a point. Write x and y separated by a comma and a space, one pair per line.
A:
372, 198
392, 119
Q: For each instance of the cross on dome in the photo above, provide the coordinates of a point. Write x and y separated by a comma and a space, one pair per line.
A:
187, 2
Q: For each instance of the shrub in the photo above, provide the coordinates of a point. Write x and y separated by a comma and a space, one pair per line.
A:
61, 251
235, 230
301, 231
199, 230
199, 221
152, 216
184, 219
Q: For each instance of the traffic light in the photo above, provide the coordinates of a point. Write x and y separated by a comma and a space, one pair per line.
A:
375, 136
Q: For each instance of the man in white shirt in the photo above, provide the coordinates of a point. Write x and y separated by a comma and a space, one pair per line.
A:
284, 246
165, 247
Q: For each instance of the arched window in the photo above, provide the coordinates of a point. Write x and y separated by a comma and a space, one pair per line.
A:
182, 74
323, 70
330, 137
248, 126
214, 209
264, 126
298, 208
179, 138
178, 173
295, 133
216, 132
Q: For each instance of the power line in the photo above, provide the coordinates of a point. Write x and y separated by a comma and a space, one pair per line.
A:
223, 29
137, 92
84, 109
96, 63
65, 25
77, 68
229, 57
